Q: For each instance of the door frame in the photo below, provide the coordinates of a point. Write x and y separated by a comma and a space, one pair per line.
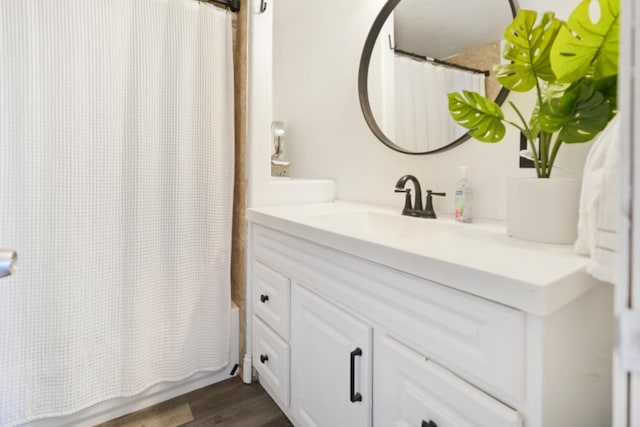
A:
634, 138
626, 386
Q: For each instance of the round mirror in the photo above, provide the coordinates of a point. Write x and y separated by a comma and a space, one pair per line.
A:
416, 52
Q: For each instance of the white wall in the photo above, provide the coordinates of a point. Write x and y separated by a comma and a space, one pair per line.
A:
260, 59
316, 52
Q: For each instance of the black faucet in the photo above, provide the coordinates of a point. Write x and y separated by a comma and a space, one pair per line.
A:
416, 208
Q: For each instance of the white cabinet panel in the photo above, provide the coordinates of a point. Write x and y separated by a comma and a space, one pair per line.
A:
329, 348
271, 298
271, 359
410, 390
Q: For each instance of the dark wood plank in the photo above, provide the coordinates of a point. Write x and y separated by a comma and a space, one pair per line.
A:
234, 404
281, 421
163, 414
222, 395
255, 411
230, 403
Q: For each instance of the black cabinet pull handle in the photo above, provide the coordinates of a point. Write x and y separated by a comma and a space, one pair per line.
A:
429, 424
263, 358
264, 298
355, 397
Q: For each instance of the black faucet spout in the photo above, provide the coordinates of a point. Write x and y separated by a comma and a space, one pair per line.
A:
417, 204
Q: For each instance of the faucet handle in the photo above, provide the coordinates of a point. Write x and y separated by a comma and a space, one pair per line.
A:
428, 210
407, 198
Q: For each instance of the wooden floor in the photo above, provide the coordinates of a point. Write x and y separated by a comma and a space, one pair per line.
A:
230, 403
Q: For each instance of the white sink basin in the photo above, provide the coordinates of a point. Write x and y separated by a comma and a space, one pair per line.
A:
382, 225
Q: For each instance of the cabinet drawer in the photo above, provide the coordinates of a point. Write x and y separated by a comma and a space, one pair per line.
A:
415, 391
271, 359
271, 296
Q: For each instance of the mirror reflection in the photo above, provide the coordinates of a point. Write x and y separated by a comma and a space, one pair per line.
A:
424, 50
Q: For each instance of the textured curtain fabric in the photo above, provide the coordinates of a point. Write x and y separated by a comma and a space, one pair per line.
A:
422, 120
116, 181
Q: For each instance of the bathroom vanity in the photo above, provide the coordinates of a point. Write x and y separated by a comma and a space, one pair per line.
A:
361, 317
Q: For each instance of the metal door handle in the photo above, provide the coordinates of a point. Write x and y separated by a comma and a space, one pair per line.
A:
8, 262
355, 397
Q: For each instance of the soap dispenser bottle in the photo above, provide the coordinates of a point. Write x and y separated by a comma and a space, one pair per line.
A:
463, 197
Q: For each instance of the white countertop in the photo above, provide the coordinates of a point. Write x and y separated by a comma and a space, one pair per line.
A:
478, 258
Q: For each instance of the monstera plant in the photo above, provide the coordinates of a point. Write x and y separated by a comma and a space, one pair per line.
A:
572, 66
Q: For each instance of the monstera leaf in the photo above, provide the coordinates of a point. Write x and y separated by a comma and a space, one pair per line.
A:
609, 88
534, 124
578, 115
589, 42
480, 115
527, 48
548, 91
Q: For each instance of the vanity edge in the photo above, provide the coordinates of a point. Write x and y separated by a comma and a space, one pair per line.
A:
538, 297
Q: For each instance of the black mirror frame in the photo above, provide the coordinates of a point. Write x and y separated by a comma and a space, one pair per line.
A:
363, 84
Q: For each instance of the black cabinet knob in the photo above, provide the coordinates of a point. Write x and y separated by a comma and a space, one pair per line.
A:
264, 298
263, 358
429, 424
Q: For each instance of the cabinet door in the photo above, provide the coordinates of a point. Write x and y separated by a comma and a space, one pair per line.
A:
413, 391
330, 364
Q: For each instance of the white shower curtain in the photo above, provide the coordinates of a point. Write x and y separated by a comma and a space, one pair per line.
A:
422, 120
116, 181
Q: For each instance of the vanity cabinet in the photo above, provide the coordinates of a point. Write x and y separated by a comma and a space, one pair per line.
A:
349, 342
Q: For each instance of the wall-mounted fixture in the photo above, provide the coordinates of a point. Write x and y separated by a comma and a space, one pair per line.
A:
279, 162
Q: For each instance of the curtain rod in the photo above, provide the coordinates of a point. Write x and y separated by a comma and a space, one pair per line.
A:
232, 5
436, 60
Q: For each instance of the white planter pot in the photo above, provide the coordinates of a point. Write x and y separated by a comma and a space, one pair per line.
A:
543, 210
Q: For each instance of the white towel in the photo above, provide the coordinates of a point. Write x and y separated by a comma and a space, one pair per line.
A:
600, 206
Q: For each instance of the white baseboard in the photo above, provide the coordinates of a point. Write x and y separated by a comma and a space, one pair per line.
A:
118, 407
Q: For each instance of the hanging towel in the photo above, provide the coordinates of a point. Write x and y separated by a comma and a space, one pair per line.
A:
600, 204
